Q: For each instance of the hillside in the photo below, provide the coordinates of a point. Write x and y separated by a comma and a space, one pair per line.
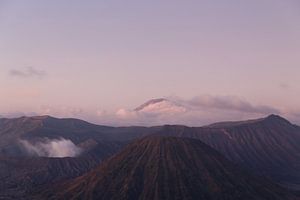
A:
268, 146
167, 168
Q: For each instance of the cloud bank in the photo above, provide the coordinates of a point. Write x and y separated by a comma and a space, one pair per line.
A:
230, 103
197, 111
52, 148
28, 72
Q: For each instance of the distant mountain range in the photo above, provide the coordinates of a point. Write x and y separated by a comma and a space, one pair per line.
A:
267, 148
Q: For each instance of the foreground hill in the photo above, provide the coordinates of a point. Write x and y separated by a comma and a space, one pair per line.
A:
167, 168
268, 146
19, 177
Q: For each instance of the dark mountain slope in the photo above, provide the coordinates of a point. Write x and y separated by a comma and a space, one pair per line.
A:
167, 168
21, 171
20, 176
269, 146
78, 131
74, 129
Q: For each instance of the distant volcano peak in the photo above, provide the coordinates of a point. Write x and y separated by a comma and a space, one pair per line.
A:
161, 106
274, 117
151, 102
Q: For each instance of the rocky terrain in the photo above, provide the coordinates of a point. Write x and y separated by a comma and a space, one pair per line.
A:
268, 148
167, 168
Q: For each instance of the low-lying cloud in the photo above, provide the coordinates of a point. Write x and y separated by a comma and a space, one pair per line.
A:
27, 72
51, 148
233, 103
197, 111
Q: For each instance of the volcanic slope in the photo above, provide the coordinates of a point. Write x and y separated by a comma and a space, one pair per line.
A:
269, 146
157, 167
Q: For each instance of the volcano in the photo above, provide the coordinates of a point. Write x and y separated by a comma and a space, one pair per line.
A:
158, 167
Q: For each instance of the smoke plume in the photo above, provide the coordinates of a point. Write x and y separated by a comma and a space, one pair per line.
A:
52, 148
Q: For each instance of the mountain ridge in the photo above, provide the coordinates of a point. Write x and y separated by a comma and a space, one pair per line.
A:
159, 167
267, 146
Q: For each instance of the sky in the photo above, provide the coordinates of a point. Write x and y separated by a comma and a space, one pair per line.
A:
99, 60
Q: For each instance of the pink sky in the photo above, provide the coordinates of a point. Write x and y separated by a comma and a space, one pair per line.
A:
91, 59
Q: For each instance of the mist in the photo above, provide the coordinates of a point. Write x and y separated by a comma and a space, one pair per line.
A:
55, 148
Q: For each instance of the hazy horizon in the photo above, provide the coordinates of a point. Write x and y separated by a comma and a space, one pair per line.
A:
99, 60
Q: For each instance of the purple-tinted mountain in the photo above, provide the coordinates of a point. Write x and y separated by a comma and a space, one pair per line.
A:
162, 168
22, 171
78, 131
268, 146
20, 176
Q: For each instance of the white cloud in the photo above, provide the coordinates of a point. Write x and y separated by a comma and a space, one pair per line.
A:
126, 114
52, 148
197, 111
